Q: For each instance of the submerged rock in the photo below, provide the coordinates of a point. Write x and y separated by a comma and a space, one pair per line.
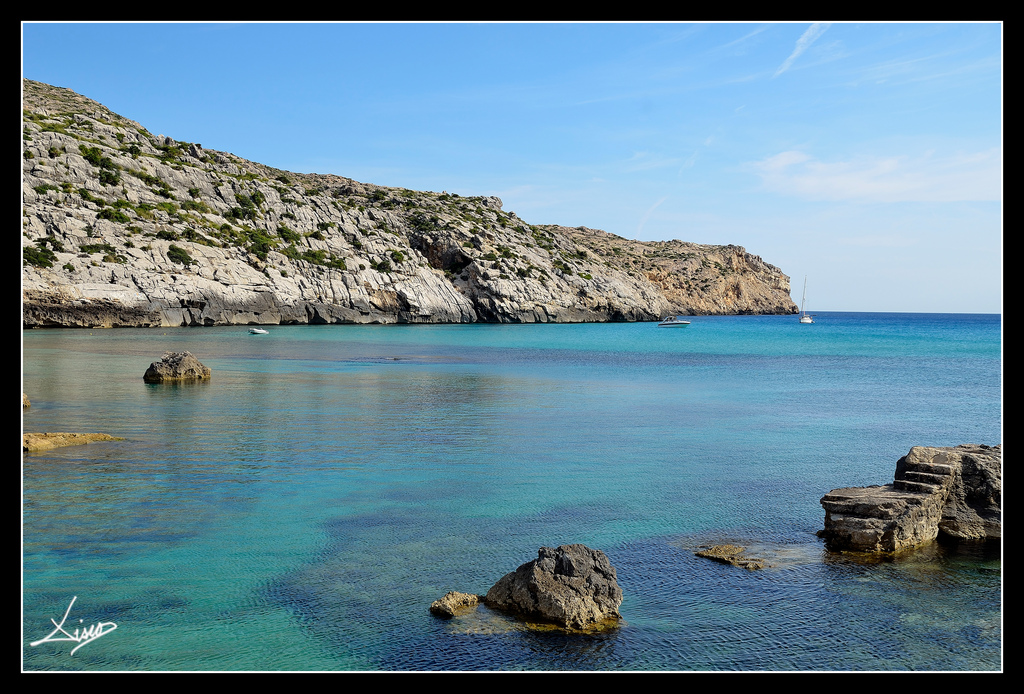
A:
452, 603
176, 367
573, 587
731, 554
35, 442
953, 491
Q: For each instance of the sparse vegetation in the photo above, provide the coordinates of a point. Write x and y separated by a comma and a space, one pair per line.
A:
458, 236
113, 215
179, 255
40, 256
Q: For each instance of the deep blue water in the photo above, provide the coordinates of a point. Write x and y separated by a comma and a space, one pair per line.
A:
303, 509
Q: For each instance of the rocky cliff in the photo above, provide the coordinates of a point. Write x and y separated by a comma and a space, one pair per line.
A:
124, 228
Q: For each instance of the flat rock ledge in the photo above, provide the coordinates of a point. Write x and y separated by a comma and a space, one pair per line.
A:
34, 442
176, 367
955, 492
731, 554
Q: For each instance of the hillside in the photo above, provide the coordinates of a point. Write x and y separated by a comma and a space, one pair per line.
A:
124, 228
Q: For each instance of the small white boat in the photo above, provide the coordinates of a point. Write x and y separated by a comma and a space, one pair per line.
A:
673, 322
804, 316
257, 331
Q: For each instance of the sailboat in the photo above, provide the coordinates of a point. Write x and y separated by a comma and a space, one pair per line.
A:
804, 316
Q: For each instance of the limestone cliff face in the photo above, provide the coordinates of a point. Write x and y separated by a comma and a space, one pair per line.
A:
124, 228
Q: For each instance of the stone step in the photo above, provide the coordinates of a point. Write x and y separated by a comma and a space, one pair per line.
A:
930, 468
859, 522
926, 477
910, 486
859, 509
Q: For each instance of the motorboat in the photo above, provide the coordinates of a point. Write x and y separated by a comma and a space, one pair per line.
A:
257, 331
804, 316
673, 322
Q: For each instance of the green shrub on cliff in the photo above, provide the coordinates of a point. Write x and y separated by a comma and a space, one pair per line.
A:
40, 256
179, 255
259, 243
287, 234
113, 215
91, 248
108, 177
195, 206
93, 155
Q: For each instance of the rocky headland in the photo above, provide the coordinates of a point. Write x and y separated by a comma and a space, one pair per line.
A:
121, 227
953, 492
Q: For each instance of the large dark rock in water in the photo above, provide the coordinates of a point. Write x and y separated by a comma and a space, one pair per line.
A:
176, 367
573, 587
955, 492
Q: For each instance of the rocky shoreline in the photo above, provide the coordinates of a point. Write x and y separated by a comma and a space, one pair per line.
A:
123, 228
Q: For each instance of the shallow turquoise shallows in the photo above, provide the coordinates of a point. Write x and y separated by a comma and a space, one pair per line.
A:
302, 509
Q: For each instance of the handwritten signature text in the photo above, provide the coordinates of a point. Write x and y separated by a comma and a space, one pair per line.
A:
80, 636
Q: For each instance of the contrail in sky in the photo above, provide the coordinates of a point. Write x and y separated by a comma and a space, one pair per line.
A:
802, 44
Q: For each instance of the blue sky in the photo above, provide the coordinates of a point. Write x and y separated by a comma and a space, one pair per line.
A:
867, 157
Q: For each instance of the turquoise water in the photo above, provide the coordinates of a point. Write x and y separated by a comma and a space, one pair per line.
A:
303, 509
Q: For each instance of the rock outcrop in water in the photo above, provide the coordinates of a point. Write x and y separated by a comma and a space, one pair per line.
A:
35, 442
955, 491
732, 554
124, 228
573, 587
176, 367
453, 603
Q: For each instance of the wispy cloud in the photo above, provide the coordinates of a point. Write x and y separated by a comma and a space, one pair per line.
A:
647, 215
743, 39
926, 178
644, 161
877, 241
802, 44
689, 161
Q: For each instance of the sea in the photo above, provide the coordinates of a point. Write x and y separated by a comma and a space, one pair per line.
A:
302, 509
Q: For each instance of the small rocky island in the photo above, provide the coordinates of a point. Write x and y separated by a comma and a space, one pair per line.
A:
953, 492
572, 588
176, 367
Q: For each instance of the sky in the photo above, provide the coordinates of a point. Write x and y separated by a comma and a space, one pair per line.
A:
866, 157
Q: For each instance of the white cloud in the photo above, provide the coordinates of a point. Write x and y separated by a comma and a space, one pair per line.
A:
802, 44
926, 178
